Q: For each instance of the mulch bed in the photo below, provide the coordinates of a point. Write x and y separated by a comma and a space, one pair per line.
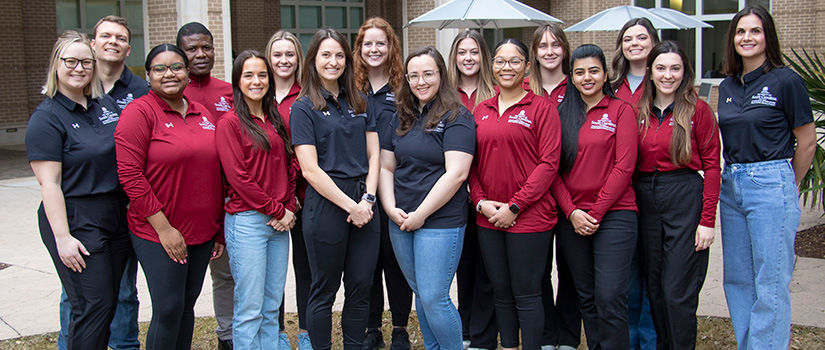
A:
810, 243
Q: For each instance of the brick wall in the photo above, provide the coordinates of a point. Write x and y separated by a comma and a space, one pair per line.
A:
253, 22
163, 22
419, 36
800, 25
388, 10
15, 110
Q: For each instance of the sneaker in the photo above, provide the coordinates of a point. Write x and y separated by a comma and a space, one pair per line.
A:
465, 344
548, 347
303, 341
373, 339
225, 344
565, 347
283, 342
400, 339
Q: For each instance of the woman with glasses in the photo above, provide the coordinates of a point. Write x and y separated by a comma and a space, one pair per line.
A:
168, 164
469, 72
82, 218
594, 190
425, 159
519, 140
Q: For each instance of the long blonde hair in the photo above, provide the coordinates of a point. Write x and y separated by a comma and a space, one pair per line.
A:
485, 89
285, 35
94, 88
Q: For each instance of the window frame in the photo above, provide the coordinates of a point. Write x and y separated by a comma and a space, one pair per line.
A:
349, 33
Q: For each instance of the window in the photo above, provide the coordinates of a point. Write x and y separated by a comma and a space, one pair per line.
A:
82, 15
705, 46
304, 17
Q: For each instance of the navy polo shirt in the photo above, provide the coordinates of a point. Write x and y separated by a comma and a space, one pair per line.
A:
82, 139
381, 104
420, 163
757, 118
128, 88
338, 134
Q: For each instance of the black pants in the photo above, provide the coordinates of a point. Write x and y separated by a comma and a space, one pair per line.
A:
99, 223
303, 277
515, 264
670, 206
398, 291
174, 288
335, 247
562, 318
475, 292
600, 265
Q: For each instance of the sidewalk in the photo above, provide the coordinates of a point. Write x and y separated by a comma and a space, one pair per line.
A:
30, 289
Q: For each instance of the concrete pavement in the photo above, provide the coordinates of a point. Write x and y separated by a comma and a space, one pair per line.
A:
30, 289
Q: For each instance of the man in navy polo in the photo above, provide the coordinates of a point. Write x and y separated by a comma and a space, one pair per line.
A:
111, 44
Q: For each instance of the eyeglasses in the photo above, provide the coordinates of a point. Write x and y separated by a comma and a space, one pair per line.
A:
429, 76
515, 62
72, 62
160, 69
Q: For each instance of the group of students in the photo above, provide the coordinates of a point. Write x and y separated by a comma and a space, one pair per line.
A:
472, 166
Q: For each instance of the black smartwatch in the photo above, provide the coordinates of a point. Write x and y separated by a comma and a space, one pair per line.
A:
514, 208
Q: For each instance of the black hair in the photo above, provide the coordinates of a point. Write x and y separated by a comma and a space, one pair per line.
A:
522, 49
193, 28
157, 50
573, 110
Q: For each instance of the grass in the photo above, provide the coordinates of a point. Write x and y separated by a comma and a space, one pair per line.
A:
714, 333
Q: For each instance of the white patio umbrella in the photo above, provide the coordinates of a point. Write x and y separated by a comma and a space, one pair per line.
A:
482, 14
614, 18
680, 18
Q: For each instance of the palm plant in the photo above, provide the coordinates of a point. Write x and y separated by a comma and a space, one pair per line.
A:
812, 71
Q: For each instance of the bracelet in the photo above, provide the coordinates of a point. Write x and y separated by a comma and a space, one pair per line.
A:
478, 206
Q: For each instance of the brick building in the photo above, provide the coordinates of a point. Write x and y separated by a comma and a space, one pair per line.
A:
31, 26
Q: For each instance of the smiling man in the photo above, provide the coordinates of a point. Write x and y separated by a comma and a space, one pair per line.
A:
197, 42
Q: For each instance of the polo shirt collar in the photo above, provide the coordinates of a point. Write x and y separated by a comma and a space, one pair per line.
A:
661, 114
603, 103
295, 89
165, 106
200, 81
751, 76
327, 94
68, 103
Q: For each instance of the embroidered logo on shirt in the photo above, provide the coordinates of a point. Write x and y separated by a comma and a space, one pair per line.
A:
764, 97
521, 119
222, 106
729, 100
170, 125
391, 96
122, 103
76, 125
108, 116
353, 115
206, 124
485, 117
437, 128
604, 124
561, 98
325, 112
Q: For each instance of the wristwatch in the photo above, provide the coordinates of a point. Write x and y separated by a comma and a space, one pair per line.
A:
369, 197
514, 208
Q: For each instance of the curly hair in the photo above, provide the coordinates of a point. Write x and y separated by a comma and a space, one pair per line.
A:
392, 66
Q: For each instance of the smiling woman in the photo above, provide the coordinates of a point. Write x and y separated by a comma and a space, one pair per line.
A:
161, 139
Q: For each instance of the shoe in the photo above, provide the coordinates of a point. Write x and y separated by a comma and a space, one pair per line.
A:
400, 339
225, 344
374, 339
303, 341
465, 344
548, 347
283, 342
565, 347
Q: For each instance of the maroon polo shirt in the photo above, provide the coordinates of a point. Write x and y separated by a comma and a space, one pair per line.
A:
517, 158
213, 93
168, 162
633, 98
654, 153
258, 180
601, 177
284, 108
555, 96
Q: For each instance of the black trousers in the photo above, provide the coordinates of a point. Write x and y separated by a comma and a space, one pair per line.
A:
515, 264
303, 277
600, 264
99, 223
398, 290
562, 318
670, 206
475, 292
174, 288
335, 247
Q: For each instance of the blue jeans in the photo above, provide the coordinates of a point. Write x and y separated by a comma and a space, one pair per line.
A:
258, 258
124, 327
759, 213
429, 259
